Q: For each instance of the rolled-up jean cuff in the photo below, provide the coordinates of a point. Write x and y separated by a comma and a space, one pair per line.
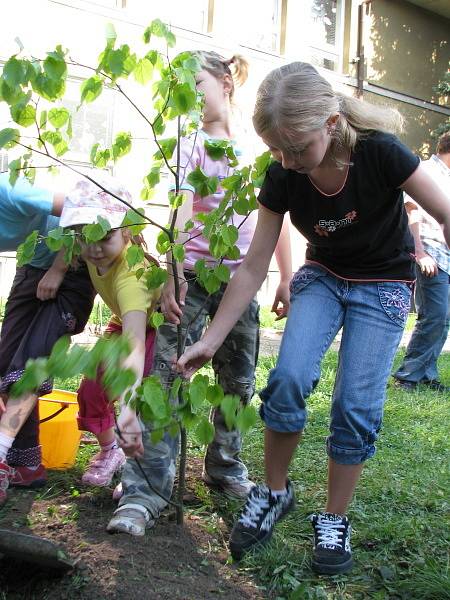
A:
96, 424
349, 456
292, 423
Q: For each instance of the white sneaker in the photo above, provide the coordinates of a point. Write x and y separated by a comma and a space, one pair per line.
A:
133, 519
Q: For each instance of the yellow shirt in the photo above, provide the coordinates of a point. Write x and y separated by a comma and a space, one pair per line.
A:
121, 290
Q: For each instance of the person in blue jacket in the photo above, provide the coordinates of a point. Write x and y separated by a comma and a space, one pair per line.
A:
47, 300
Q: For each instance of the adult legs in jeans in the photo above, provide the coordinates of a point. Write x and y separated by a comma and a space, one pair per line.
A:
432, 299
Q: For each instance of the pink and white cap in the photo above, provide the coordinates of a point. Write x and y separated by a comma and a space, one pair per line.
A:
86, 202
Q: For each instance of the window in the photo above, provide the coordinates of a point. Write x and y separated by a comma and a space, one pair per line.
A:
314, 32
254, 23
92, 123
192, 15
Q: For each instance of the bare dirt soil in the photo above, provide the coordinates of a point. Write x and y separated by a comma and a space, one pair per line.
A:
170, 562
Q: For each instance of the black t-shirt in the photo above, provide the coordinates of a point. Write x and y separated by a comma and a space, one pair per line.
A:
362, 231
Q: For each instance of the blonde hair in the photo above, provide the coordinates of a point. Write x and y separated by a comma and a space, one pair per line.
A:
294, 98
218, 66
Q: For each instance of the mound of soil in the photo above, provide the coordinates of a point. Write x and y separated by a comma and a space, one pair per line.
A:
170, 562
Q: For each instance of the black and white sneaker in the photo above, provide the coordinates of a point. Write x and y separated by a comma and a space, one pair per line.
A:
332, 552
261, 511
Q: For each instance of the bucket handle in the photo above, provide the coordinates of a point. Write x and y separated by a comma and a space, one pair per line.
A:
55, 414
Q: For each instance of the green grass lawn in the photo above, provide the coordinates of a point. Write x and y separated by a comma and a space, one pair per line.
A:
399, 514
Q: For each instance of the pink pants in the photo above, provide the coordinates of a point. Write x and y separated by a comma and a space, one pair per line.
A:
95, 409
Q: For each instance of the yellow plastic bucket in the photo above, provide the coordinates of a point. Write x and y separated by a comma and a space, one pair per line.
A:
58, 431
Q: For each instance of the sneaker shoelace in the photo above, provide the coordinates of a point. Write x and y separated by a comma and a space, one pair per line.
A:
254, 507
329, 533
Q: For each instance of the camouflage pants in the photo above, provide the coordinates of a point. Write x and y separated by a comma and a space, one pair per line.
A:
234, 365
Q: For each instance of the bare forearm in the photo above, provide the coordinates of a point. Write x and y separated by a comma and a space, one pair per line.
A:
283, 253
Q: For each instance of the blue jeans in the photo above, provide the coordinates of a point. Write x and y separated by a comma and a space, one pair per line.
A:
372, 317
432, 298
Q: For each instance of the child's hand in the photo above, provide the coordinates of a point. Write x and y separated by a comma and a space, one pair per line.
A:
129, 434
169, 307
281, 302
193, 358
49, 284
2, 405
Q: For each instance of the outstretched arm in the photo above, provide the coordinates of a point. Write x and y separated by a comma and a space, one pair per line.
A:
283, 257
423, 190
426, 263
130, 438
242, 288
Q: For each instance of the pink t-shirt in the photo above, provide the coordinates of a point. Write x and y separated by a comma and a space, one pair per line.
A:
193, 155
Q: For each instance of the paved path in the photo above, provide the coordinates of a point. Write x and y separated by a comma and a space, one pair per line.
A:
271, 338
269, 344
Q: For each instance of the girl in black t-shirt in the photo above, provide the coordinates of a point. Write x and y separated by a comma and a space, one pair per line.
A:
340, 173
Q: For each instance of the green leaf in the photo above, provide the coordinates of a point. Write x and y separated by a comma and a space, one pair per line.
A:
262, 163
25, 251
178, 252
157, 319
233, 253
55, 66
69, 131
121, 145
152, 178
15, 72
35, 374
56, 140
246, 418
159, 29
197, 390
215, 394
118, 380
162, 243
135, 221
222, 272
184, 98
115, 60
143, 71
14, 171
101, 157
156, 397
95, 232
43, 119
205, 431
23, 114
175, 388
215, 149
91, 89
58, 117
55, 239
135, 255
167, 146
203, 185
155, 277
229, 406
8, 137
212, 283
176, 201
48, 88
